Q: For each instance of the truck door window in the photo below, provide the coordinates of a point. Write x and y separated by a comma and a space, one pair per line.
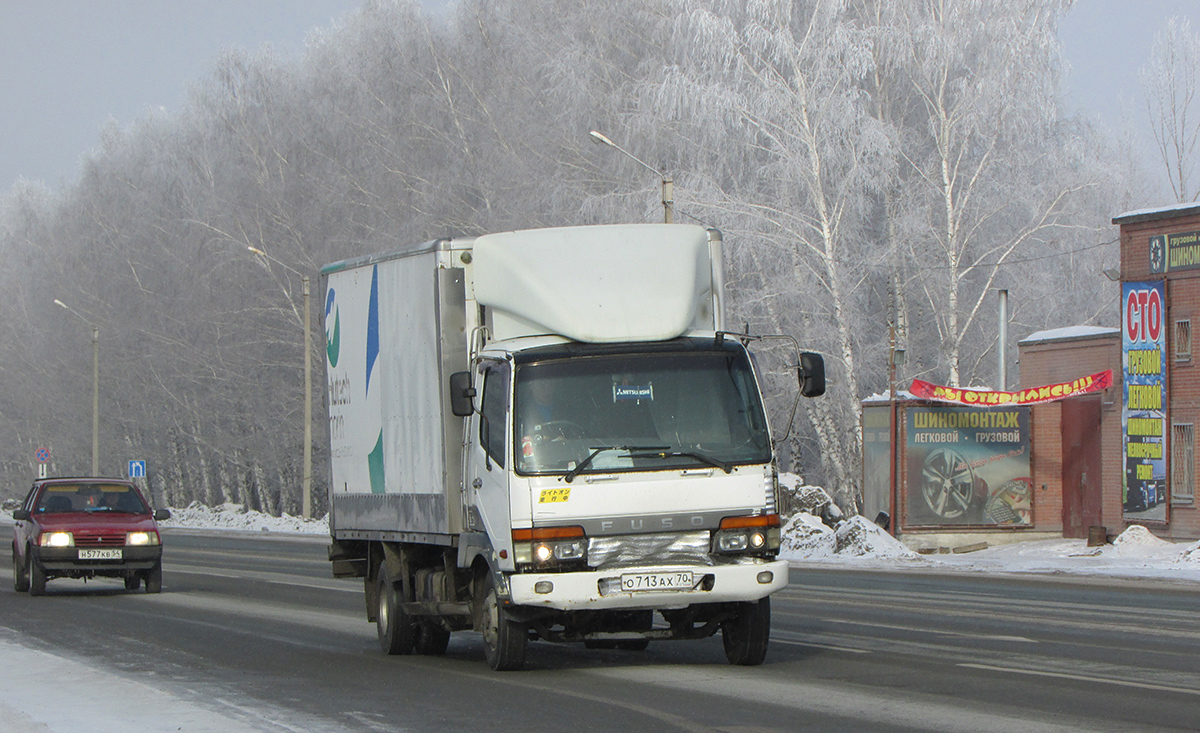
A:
495, 409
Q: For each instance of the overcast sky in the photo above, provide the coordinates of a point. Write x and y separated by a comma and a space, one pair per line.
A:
69, 66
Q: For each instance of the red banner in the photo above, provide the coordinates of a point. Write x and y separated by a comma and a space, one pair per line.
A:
1032, 396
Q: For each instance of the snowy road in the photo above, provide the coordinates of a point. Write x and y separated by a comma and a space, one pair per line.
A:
251, 633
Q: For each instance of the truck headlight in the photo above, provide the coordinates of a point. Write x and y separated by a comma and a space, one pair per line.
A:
748, 534
57, 539
569, 550
545, 545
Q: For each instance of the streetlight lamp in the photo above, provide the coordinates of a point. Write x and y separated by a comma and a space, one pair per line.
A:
668, 185
306, 480
95, 387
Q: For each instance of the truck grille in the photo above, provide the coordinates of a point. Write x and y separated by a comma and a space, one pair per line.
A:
676, 548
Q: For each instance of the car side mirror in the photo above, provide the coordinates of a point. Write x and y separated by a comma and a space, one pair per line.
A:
20, 514
461, 394
811, 374
161, 514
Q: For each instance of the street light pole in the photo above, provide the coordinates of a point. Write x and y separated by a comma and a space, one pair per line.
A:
668, 184
95, 387
95, 401
307, 478
306, 470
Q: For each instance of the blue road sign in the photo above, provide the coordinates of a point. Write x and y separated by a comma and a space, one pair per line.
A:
43, 455
137, 469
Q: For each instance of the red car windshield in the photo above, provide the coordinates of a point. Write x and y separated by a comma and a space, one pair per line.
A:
91, 497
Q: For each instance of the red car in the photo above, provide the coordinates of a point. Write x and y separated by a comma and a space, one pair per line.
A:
84, 528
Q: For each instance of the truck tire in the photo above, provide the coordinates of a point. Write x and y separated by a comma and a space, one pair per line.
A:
37, 577
746, 635
20, 574
432, 639
504, 640
154, 578
396, 630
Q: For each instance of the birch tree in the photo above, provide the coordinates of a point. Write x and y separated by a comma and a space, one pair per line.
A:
1171, 84
976, 185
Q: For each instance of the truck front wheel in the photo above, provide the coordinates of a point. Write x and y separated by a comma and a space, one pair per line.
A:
395, 628
746, 635
504, 640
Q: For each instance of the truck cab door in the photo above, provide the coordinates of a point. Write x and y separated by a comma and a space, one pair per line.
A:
488, 457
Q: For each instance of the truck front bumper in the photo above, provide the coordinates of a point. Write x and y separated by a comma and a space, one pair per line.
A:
604, 589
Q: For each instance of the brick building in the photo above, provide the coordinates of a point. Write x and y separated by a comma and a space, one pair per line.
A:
1160, 259
1075, 443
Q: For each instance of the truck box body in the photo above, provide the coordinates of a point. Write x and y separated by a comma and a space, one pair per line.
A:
395, 449
547, 432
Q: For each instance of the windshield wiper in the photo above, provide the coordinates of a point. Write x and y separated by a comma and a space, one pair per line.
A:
725, 466
570, 475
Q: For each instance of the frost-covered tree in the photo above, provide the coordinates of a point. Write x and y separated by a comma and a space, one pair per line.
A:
786, 155
981, 181
1170, 81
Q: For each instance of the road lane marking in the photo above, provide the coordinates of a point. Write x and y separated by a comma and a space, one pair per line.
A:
1081, 678
260, 576
918, 629
853, 706
776, 640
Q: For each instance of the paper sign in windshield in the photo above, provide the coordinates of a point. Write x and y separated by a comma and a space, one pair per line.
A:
628, 392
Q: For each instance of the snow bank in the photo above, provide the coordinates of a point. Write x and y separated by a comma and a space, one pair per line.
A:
1191, 554
860, 537
1137, 535
818, 530
236, 516
807, 538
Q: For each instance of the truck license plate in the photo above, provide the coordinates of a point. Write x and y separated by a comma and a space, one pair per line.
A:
634, 582
99, 554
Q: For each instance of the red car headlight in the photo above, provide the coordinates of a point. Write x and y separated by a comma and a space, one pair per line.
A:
56, 539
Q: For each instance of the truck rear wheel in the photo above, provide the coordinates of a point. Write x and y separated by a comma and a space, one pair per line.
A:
395, 628
504, 640
746, 635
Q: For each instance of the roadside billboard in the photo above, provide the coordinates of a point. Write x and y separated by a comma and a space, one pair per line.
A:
967, 467
1143, 413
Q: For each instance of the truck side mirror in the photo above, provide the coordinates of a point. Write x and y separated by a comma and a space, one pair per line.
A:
461, 394
21, 514
811, 374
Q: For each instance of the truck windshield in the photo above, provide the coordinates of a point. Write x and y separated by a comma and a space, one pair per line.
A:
637, 412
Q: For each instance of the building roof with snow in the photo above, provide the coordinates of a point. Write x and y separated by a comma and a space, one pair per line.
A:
1069, 333
1161, 212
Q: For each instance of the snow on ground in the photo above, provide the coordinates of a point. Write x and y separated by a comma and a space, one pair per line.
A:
857, 542
237, 517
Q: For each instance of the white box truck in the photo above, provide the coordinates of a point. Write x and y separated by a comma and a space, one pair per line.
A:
547, 434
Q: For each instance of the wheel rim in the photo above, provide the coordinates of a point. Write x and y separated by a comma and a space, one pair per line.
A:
948, 483
382, 612
491, 617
